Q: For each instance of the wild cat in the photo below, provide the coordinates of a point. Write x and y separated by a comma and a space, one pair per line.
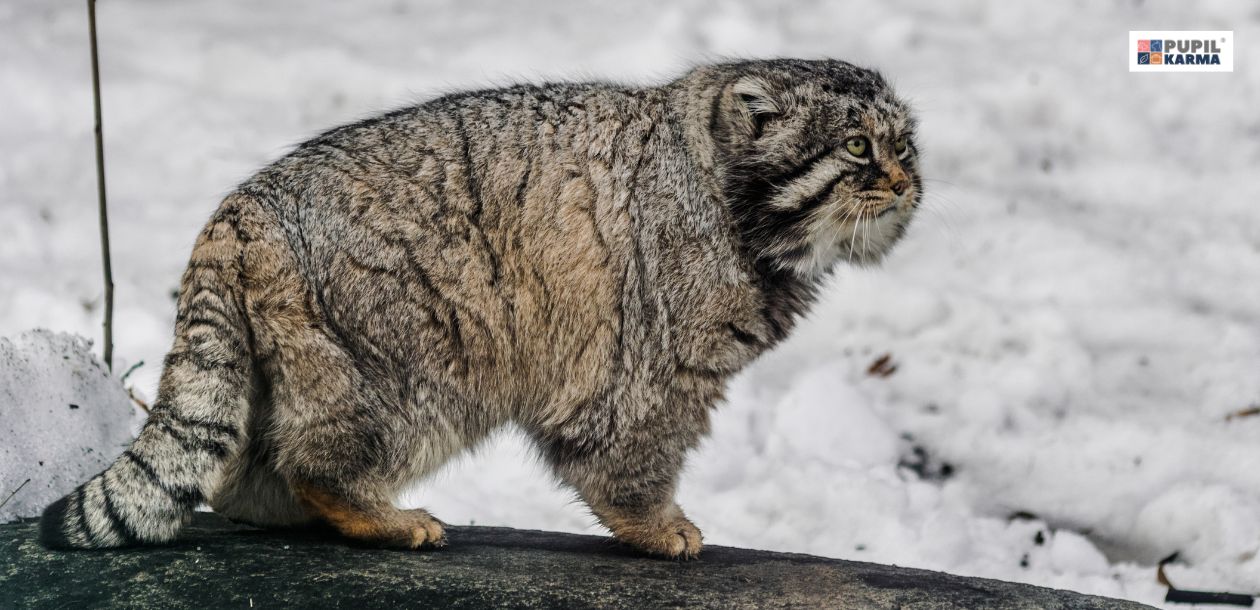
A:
590, 262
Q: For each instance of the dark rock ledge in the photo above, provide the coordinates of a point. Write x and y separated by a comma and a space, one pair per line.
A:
221, 565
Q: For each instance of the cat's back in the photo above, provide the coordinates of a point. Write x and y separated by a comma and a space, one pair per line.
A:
475, 155
496, 229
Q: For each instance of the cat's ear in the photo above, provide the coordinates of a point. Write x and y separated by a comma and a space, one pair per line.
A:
757, 102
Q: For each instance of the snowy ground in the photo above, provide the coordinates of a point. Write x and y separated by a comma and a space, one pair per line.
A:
1072, 318
70, 419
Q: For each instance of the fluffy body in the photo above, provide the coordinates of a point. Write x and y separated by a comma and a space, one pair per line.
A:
588, 261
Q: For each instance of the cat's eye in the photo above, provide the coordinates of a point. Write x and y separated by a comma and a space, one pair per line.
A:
901, 145
857, 146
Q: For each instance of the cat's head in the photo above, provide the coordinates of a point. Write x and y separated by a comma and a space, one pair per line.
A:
817, 159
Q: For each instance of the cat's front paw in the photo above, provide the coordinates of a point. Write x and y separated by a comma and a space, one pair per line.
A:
674, 537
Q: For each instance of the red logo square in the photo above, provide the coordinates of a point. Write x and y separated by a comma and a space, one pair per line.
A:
1144, 46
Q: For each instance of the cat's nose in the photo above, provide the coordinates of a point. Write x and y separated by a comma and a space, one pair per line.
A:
900, 186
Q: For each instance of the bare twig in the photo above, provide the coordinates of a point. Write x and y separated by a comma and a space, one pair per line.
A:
136, 399
1183, 596
19, 488
1248, 412
131, 369
882, 367
100, 191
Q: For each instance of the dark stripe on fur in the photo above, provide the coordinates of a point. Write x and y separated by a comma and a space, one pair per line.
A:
224, 429
192, 442
201, 362
186, 497
802, 168
818, 198
80, 498
743, 336
120, 526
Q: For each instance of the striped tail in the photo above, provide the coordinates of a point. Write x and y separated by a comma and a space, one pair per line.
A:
196, 424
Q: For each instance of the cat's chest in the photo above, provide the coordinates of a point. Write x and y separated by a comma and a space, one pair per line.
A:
716, 323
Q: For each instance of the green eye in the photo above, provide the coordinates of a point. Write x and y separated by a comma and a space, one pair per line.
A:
901, 144
857, 146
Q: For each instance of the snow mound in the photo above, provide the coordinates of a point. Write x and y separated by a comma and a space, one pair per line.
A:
63, 418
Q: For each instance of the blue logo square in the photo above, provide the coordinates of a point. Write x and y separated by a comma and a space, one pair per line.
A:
1157, 46
1144, 59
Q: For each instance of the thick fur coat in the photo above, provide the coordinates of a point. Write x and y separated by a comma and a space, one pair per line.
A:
587, 261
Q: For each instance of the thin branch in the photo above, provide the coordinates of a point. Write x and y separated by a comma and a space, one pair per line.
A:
130, 370
1248, 412
1183, 596
100, 191
136, 399
19, 488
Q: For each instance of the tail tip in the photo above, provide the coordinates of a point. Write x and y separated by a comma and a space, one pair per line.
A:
52, 526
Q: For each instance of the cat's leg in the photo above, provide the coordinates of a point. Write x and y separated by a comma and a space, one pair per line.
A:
253, 492
347, 469
347, 466
368, 517
347, 442
627, 475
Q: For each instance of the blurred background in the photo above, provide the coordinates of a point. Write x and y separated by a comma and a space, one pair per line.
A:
1070, 321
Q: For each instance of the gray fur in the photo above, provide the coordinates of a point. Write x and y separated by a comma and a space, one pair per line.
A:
591, 262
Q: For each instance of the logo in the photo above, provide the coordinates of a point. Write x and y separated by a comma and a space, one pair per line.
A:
1181, 51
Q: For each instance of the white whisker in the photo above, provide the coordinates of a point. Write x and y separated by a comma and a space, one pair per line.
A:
853, 239
879, 231
866, 244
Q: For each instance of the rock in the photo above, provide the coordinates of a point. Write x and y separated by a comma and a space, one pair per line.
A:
217, 564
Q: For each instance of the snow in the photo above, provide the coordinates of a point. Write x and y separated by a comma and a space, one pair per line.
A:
65, 419
1072, 317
